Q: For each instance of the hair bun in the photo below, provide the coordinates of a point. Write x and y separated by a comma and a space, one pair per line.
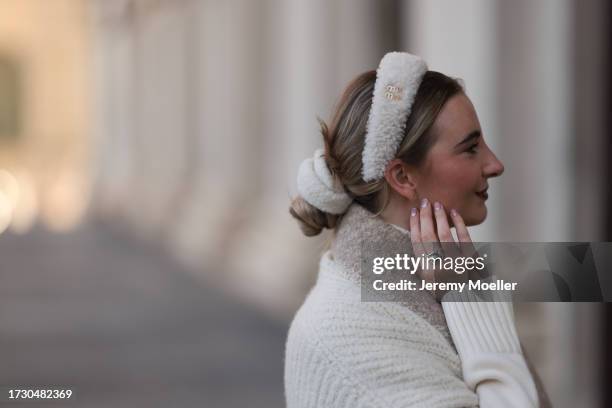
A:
319, 187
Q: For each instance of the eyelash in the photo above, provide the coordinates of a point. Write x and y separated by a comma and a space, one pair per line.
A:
471, 149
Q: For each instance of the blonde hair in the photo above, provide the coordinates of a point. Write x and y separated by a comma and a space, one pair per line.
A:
343, 142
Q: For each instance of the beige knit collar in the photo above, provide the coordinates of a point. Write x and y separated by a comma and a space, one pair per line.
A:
357, 226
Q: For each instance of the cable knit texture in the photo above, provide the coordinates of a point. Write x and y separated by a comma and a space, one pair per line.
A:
490, 351
342, 352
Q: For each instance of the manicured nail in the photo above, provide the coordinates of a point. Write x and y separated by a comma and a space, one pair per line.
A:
437, 206
424, 203
454, 212
413, 212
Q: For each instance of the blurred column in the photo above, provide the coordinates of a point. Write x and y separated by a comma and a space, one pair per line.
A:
160, 85
591, 110
226, 109
366, 31
299, 84
590, 38
142, 123
113, 147
535, 105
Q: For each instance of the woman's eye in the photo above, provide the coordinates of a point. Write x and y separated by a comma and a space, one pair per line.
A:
472, 148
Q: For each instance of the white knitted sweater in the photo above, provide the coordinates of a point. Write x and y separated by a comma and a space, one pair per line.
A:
342, 352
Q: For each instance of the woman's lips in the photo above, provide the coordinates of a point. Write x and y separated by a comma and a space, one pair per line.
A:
483, 195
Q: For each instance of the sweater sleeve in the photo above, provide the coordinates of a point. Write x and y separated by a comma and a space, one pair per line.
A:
492, 361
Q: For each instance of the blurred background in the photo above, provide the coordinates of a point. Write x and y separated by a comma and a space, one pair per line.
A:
149, 148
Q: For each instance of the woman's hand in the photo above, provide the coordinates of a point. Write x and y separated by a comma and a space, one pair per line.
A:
430, 234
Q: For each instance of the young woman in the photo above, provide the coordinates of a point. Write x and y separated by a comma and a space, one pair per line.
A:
404, 161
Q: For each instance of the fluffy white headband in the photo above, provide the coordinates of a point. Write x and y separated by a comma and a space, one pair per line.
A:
317, 186
397, 79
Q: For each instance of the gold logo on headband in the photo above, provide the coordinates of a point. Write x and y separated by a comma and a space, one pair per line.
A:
393, 93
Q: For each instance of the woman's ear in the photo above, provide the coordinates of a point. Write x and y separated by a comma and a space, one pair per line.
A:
401, 179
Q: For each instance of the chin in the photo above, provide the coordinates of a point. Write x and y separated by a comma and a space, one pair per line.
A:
475, 217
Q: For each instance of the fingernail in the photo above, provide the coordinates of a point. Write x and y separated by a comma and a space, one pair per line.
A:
424, 203
413, 212
454, 212
437, 206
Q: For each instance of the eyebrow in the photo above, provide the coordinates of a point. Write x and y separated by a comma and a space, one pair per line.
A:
475, 134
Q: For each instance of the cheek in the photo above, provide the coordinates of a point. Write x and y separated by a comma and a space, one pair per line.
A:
456, 182
455, 187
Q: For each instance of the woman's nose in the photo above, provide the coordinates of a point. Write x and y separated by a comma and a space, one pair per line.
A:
493, 167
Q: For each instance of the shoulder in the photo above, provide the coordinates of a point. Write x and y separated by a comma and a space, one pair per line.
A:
340, 324
381, 348
334, 315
